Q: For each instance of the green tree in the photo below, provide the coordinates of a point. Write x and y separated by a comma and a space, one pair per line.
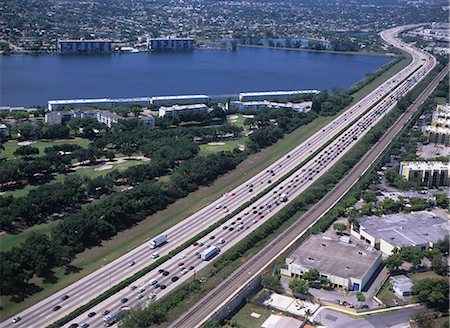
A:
439, 264
26, 151
300, 286
393, 262
360, 297
432, 291
442, 200
339, 227
311, 275
271, 282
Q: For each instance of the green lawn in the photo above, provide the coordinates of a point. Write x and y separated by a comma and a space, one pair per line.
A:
95, 257
244, 319
12, 145
207, 149
8, 241
236, 119
92, 173
422, 275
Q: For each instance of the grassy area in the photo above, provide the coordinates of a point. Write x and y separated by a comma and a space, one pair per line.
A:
94, 258
8, 241
244, 319
387, 295
236, 119
423, 275
91, 171
12, 145
215, 147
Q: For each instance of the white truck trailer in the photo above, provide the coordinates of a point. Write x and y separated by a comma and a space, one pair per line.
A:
158, 241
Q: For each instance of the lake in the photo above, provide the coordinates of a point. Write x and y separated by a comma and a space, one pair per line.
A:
33, 80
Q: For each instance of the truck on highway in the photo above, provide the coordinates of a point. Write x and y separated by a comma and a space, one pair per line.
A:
112, 319
210, 253
283, 198
158, 241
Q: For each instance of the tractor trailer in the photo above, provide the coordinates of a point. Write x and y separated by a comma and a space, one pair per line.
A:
210, 253
158, 241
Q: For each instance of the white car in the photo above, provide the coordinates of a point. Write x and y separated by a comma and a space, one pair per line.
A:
184, 271
142, 289
16, 319
221, 241
139, 296
153, 282
131, 263
219, 206
152, 296
155, 255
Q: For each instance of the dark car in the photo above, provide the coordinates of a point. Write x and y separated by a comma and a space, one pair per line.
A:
225, 227
161, 270
191, 267
91, 314
231, 229
124, 300
85, 325
56, 308
105, 312
74, 325
250, 190
174, 279
64, 297
165, 273
212, 237
162, 286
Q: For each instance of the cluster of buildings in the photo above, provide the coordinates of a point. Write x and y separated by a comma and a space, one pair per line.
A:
439, 130
266, 104
103, 116
430, 174
351, 261
80, 46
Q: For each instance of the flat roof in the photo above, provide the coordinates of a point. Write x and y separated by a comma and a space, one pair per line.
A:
426, 165
271, 93
417, 228
96, 100
84, 40
330, 256
179, 97
401, 279
183, 107
171, 38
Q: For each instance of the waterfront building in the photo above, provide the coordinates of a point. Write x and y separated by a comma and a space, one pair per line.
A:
390, 232
274, 95
265, 104
179, 100
147, 117
101, 102
348, 263
431, 174
84, 46
176, 109
171, 43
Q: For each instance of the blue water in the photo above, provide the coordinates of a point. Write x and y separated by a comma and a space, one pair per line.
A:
33, 80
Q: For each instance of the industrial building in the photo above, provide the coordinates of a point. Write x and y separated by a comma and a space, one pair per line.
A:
274, 95
100, 102
171, 44
401, 285
176, 109
430, 174
439, 130
389, 232
84, 46
349, 264
265, 104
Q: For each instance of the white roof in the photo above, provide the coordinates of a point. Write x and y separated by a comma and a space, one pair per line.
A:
98, 100
426, 165
179, 97
271, 93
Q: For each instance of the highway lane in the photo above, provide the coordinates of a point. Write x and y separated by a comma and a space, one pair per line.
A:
218, 297
322, 160
99, 281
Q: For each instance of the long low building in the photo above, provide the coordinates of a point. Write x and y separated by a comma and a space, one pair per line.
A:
349, 264
387, 233
84, 46
274, 95
431, 174
176, 109
265, 104
179, 100
169, 43
100, 102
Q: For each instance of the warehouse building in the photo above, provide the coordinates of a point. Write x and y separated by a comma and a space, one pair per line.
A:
431, 174
84, 46
349, 264
274, 95
171, 43
176, 109
265, 104
387, 233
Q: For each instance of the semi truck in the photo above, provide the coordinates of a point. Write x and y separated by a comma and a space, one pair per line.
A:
210, 253
112, 319
158, 241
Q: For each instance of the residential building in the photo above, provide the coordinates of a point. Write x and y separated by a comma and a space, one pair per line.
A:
108, 118
274, 95
176, 109
431, 174
348, 264
84, 46
179, 100
439, 130
402, 285
171, 44
390, 232
4, 129
101, 102
265, 104
147, 117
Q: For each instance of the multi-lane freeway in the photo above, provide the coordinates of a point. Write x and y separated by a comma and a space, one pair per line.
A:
383, 97
225, 291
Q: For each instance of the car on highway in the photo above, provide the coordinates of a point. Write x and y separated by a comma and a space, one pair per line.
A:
124, 300
105, 312
132, 262
85, 325
153, 282
142, 289
161, 271
64, 297
184, 271
163, 286
221, 241
218, 206
133, 287
155, 255
175, 278
139, 296
91, 314
16, 319
74, 325
212, 237
231, 229
56, 308
152, 296
166, 273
